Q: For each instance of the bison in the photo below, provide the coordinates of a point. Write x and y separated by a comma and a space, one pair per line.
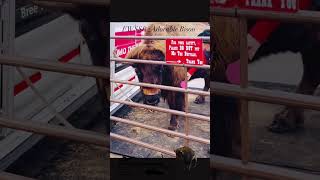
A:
302, 38
162, 74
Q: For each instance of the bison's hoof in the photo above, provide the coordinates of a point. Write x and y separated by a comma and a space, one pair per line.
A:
173, 127
281, 127
285, 122
199, 100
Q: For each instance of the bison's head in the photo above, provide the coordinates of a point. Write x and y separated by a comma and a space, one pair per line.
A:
149, 73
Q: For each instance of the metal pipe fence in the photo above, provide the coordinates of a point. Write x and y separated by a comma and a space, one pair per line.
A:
186, 114
244, 167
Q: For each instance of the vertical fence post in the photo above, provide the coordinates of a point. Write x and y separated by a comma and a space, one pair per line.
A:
244, 114
7, 20
186, 102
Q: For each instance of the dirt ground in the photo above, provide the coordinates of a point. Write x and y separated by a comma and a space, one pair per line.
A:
198, 128
59, 159
297, 151
77, 161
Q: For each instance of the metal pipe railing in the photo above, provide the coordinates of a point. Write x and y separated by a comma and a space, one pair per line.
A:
169, 88
73, 134
54, 66
140, 143
205, 39
258, 170
165, 110
84, 2
139, 61
161, 130
302, 16
266, 96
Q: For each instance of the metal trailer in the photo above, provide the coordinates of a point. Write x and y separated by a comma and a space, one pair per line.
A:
125, 72
38, 33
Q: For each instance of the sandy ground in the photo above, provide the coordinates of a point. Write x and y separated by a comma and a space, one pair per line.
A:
161, 120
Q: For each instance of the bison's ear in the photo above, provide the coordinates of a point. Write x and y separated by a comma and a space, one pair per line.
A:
134, 53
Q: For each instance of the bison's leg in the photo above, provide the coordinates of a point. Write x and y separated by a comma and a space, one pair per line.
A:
176, 102
201, 99
291, 118
225, 128
202, 73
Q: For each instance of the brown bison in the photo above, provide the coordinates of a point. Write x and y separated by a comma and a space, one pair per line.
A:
162, 74
302, 38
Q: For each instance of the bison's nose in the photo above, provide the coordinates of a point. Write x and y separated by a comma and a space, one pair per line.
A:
152, 99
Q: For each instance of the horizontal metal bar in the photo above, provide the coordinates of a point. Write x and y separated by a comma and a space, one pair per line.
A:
140, 61
266, 96
10, 176
302, 16
54, 66
58, 6
179, 113
205, 39
165, 131
257, 170
78, 135
143, 144
85, 2
169, 88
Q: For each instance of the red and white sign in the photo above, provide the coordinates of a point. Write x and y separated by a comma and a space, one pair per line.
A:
270, 5
123, 46
265, 5
184, 51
